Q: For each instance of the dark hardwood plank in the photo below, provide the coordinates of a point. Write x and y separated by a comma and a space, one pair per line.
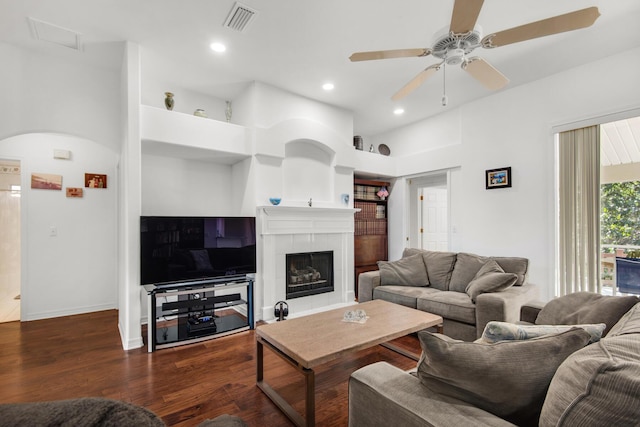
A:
76, 356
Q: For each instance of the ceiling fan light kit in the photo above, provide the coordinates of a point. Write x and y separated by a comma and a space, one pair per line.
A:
454, 45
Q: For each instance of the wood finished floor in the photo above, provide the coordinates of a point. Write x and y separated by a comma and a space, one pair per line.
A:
78, 356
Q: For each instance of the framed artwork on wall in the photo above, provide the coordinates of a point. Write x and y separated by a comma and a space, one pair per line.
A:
498, 178
46, 181
74, 192
95, 180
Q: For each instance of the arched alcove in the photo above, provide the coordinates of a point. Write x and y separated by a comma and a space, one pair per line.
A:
68, 244
308, 171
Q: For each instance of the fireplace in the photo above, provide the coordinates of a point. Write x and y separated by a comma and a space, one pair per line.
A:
287, 230
309, 273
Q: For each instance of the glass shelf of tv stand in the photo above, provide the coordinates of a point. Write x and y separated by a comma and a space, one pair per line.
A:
191, 312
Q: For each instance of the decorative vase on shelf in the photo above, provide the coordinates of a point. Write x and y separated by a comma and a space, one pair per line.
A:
228, 111
200, 113
168, 101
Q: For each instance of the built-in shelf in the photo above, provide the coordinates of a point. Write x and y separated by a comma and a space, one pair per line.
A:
374, 164
179, 135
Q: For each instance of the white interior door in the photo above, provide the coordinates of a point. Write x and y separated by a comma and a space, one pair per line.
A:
435, 219
429, 212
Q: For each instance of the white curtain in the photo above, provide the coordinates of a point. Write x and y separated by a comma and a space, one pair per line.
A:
579, 210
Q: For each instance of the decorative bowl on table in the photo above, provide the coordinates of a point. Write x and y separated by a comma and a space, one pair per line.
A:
275, 201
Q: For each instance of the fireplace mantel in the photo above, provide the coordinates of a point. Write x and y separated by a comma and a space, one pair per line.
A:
286, 230
305, 220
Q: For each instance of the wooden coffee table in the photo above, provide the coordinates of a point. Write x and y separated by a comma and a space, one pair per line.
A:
309, 341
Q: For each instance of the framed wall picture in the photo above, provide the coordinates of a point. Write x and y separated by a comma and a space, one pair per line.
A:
46, 181
498, 178
74, 192
95, 180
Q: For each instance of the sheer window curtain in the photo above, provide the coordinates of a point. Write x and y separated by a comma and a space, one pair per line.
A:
579, 211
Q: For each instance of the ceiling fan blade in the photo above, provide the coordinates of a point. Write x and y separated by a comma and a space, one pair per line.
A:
546, 27
416, 81
484, 72
465, 14
388, 54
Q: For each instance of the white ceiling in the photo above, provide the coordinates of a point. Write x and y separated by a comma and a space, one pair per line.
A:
298, 45
620, 142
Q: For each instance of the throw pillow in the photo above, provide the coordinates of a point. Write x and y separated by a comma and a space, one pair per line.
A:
515, 265
501, 331
439, 268
493, 376
586, 307
409, 271
598, 385
466, 267
490, 278
628, 324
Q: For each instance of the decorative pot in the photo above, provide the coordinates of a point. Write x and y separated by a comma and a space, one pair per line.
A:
200, 113
228, 111
168, 101
358, 142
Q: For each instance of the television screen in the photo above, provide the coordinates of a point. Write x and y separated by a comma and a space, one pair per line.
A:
178, 249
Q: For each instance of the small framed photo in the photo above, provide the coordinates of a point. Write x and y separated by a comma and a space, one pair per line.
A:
95, 180
498, 178
74, 192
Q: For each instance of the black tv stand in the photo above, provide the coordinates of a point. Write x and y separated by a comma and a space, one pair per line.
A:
187, 312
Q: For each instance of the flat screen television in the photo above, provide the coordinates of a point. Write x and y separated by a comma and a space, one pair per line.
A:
184, 249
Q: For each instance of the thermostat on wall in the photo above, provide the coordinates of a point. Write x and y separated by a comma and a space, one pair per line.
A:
61, 154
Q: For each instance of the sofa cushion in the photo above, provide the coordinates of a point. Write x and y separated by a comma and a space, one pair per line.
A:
409, 271
403, 295
493, 376
439, 266
383, 395
466, 267
450, 305
490, 278
585, 307
515, 265
628, 324
598, 385
500, 331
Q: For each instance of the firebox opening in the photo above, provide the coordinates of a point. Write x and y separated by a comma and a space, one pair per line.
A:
309, 273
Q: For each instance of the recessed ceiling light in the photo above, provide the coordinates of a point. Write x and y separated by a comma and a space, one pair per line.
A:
328, 86
398, 111
218, 47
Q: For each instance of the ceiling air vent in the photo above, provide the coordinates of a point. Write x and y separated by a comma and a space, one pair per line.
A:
41, 30
240, 17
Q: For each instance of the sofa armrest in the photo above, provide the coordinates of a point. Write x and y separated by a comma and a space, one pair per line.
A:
367, 281
382, 395
529, 312
503, 306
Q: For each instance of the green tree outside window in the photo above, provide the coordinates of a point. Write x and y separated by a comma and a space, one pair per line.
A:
620, 214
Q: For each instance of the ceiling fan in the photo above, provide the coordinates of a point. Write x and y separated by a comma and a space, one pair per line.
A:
453, 46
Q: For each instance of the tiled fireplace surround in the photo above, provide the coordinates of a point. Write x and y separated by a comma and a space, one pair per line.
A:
285, 229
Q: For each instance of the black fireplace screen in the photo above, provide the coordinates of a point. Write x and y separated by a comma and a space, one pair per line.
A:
309, 273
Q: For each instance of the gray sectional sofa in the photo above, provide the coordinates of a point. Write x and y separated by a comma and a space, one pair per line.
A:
561, 379
467, 290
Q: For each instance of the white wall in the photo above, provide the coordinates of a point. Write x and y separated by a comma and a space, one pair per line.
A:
273, 106
173, 186
53, 103
41, 93
511, 128
75, 271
